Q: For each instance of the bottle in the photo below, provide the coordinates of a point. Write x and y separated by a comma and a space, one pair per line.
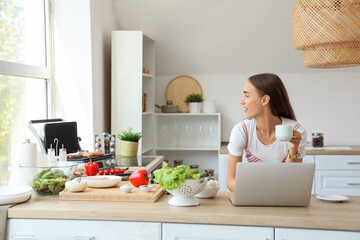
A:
63, 154
317, 140
194, 166
51, 154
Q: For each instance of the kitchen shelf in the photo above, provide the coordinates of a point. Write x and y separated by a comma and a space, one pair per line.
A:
187, 149
147, 113
147, 75
131, 51
145, 150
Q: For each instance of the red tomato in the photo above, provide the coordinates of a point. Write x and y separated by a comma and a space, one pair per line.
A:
118, 170
122, 170
107, 172
101, 172
113, 171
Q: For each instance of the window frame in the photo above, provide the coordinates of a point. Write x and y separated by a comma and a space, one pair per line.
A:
37, 72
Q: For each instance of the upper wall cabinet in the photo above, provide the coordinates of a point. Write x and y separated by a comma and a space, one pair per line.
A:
132, 91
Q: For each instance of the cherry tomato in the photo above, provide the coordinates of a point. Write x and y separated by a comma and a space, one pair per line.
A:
101, 172
113, 171
122, 170
118, 170
107, 172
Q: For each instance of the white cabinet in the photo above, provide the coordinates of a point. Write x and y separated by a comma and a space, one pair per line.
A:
193, 138
223, 171
43, 229
174, 231
131, 52
301, 234
338, 174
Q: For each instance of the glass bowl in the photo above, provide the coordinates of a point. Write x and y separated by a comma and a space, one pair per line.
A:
48, 179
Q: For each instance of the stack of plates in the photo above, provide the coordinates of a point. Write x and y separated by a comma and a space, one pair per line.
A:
14, 194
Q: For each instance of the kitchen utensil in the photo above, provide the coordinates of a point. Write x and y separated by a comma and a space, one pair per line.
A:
168, 108
64, 132
102, 181
48, 178
184, 195
332, 198
179, 88
114, 194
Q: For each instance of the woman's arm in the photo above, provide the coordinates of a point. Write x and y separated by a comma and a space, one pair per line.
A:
231, 171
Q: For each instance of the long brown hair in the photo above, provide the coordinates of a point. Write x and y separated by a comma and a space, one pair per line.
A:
270, 84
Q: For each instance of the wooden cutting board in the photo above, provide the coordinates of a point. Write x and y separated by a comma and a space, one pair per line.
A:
113, 194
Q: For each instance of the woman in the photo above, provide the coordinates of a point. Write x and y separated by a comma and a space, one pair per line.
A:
266, 104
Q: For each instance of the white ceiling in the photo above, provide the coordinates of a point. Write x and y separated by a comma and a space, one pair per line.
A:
216, 36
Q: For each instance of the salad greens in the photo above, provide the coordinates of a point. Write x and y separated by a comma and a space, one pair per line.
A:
49, 182
171, 178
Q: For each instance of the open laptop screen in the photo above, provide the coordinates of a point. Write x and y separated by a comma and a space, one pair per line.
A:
273, 184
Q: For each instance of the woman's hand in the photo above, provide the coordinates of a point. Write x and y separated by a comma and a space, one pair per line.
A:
295, 142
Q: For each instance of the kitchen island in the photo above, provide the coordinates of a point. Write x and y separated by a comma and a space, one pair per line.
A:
211, 214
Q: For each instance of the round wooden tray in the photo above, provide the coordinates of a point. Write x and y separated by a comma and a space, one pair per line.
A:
180, 88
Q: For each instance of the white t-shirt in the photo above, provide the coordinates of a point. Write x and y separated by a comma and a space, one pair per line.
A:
244, 142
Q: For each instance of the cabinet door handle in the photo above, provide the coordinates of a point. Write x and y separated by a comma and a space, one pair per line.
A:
353, 183
32, 237
353, 162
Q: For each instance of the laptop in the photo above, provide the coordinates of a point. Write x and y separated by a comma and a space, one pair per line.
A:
273, 184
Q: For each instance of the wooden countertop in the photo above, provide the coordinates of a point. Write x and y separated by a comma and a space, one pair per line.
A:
355, 150
319, 215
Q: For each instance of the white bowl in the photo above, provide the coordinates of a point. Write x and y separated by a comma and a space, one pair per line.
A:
126, 189
208, 192
14, 194
102, 181
145, 188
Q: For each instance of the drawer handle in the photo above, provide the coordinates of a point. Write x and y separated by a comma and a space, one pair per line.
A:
353, 162
352, 183
32, 237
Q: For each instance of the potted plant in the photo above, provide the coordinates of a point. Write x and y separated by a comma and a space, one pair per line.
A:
129, 142
194, 101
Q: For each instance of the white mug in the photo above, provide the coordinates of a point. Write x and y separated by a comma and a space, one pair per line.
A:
284, 132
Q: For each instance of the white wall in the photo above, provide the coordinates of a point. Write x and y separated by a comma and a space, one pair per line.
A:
73, 68
82, 51
102, 23
222, 43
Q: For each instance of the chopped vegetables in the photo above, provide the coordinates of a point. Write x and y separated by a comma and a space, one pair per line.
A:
49, 182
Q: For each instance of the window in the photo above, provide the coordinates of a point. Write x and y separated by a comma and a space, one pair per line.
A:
25, 73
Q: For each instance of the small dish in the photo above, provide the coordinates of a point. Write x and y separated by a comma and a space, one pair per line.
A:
14, 194
208, 192
102, 181
126, 188
145, 188
332, 198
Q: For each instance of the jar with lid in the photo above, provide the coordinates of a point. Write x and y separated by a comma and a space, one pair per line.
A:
194, 166
210, 172
178, 162
317, 140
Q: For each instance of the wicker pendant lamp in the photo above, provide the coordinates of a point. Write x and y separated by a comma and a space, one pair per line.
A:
328, 31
